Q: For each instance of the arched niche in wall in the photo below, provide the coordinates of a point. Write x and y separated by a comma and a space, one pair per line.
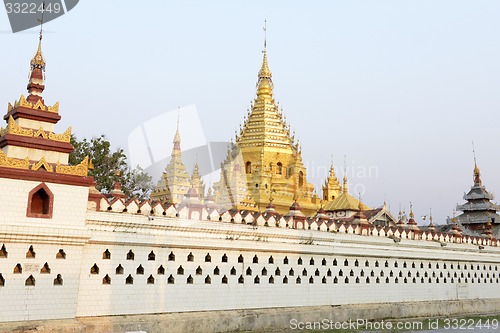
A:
40, 202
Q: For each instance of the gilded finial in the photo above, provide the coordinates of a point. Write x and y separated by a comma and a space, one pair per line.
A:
477, 172
37, 70
264, 71
344, 188
332, 169
38, 61
411, 211
265, 34
177, 137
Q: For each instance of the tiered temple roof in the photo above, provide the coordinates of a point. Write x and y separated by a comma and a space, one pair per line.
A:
30, 148
478, 211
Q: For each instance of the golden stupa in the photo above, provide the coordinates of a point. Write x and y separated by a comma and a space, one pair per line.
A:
264, 165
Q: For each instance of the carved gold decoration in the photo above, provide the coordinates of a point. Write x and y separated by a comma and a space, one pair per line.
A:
38, 61
14, 128
81, 169
39, 105
64, 137
11, 162
54, 108
42, 163
22, 102
41, 133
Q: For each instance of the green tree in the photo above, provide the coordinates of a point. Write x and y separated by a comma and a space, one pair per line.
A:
111, 167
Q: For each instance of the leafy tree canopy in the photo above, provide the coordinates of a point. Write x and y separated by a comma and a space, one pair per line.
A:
111, 167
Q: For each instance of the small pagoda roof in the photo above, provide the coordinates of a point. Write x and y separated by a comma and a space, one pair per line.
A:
345, 201
478, 192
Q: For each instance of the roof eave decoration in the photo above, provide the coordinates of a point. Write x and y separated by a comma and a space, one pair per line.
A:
11, 162
63, 137
42, 163
22, 102
14, 128
81, 169
25, 164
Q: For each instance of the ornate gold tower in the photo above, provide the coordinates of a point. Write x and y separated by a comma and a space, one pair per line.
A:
175, 181
30, 149
331, 188
265, 163
197, 182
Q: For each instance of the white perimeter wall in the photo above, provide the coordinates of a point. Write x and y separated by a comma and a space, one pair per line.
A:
217, 239
66, 230
84, 294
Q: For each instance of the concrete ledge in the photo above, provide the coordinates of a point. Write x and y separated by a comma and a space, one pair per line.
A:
254, 320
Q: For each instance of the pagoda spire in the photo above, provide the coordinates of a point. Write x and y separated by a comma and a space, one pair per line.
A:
344, 187
175, 180
411, 222
177, 140
477, 173
332, 169
264, 82
431, 226
331, 188
197, 182
37, 73
264, 72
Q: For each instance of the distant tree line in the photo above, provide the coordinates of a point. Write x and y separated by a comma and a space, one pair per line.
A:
111, 167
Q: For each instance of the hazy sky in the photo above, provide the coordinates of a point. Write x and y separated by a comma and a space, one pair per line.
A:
401, 87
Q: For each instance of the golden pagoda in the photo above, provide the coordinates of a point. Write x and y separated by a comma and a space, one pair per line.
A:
175, 181
331, 188
265, 162
197, 182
